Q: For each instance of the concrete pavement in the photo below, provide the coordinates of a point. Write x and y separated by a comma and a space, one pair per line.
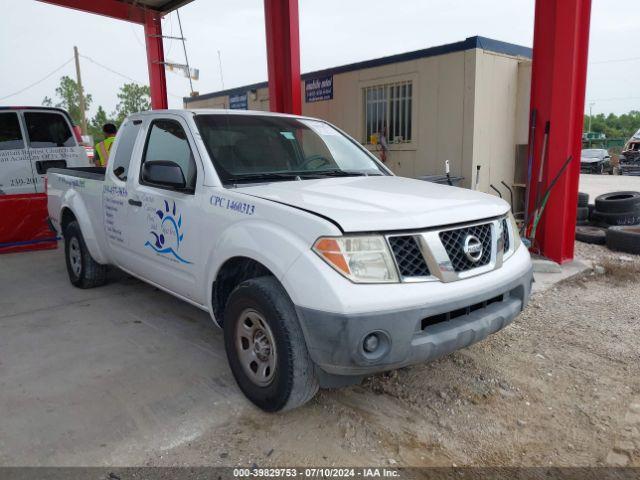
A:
105, 376
596, 185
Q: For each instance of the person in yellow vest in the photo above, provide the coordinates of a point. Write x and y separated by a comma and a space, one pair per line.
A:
103, 148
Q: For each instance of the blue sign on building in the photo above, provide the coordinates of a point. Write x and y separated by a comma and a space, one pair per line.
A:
238, 102
318, 89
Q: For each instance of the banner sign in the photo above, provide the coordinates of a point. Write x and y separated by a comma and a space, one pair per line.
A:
318, 89
238, 102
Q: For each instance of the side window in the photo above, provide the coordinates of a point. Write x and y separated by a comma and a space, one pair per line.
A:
167, 140
48, 129
126, 141
10, 134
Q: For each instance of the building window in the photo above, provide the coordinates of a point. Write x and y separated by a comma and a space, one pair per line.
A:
387, 110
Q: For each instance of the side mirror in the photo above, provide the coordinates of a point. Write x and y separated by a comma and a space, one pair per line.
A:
163, 173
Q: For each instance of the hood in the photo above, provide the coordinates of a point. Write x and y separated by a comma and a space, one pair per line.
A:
382, 203
590, 160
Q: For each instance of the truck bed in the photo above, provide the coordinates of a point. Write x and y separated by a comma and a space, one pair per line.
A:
93, 173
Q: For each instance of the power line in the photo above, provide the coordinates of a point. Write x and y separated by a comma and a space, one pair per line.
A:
111, 70
127, 77
39, 81
613, 99
136, 35
620, 60
184, 47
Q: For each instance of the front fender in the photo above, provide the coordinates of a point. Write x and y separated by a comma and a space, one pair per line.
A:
73, 201
267, 243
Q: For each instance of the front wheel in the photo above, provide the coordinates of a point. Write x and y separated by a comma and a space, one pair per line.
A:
265, 346
83, 270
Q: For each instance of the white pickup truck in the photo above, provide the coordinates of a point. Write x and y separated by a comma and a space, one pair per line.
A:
318, 263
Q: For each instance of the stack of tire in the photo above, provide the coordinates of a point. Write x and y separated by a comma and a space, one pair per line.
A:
584, 211
614, 219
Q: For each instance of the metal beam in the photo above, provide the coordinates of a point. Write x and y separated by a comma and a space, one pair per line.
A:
559, 73
155, 60
107, 8
283, 55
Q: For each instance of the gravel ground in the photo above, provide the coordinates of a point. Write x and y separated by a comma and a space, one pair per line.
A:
560, 386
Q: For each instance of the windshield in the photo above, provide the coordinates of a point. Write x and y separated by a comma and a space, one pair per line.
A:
260, 147
593, 153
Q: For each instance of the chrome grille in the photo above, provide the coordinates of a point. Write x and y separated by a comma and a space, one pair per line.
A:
505, 236
453, 242
408, 256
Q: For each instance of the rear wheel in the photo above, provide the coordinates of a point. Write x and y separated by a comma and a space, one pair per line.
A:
265, 346
83, 270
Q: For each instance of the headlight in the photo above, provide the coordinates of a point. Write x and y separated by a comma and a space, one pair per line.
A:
515, 233
362, 259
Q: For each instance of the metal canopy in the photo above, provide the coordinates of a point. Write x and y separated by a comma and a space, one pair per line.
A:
162, 6
129, 10
561, 40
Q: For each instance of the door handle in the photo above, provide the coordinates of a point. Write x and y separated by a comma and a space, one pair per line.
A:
136, 203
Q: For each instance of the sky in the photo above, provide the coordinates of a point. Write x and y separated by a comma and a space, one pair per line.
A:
36, 39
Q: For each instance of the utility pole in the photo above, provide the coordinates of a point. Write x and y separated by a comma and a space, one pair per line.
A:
80, 92
590, 114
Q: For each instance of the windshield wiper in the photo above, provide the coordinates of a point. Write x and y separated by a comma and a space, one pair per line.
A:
338, 173
248, 177
266, 176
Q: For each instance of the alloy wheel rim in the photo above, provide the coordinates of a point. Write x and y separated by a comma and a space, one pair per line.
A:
256, 347
75, 258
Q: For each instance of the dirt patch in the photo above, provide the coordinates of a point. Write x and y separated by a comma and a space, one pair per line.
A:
560, 386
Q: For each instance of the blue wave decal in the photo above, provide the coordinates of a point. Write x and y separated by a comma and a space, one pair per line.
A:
159, 245
167, 250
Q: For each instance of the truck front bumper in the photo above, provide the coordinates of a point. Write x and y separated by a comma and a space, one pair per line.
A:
415, 335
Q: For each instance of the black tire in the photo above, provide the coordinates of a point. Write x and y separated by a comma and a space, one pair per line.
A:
582, 214
618, 202
583, 199
293, 381
591, 208
615, 219
83, 270
588, 234
624, 239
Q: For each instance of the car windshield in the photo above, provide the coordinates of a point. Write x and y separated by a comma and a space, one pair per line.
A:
592, 153
246, 148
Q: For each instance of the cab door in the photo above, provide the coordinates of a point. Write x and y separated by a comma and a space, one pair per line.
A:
115, 209
163, 220
51, 143
16, 175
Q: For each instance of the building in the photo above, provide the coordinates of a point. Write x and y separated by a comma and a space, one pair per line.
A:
466, 102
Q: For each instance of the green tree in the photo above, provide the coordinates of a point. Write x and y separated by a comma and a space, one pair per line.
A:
614, 126
96, 123
132, 98
67, 92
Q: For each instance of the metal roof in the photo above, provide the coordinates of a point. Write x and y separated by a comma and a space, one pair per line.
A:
163, 6
483, 43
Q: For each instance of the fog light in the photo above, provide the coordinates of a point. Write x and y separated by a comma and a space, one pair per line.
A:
371, 343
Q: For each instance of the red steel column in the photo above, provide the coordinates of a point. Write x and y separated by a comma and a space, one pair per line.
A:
155, 59
283, 55
559, 75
